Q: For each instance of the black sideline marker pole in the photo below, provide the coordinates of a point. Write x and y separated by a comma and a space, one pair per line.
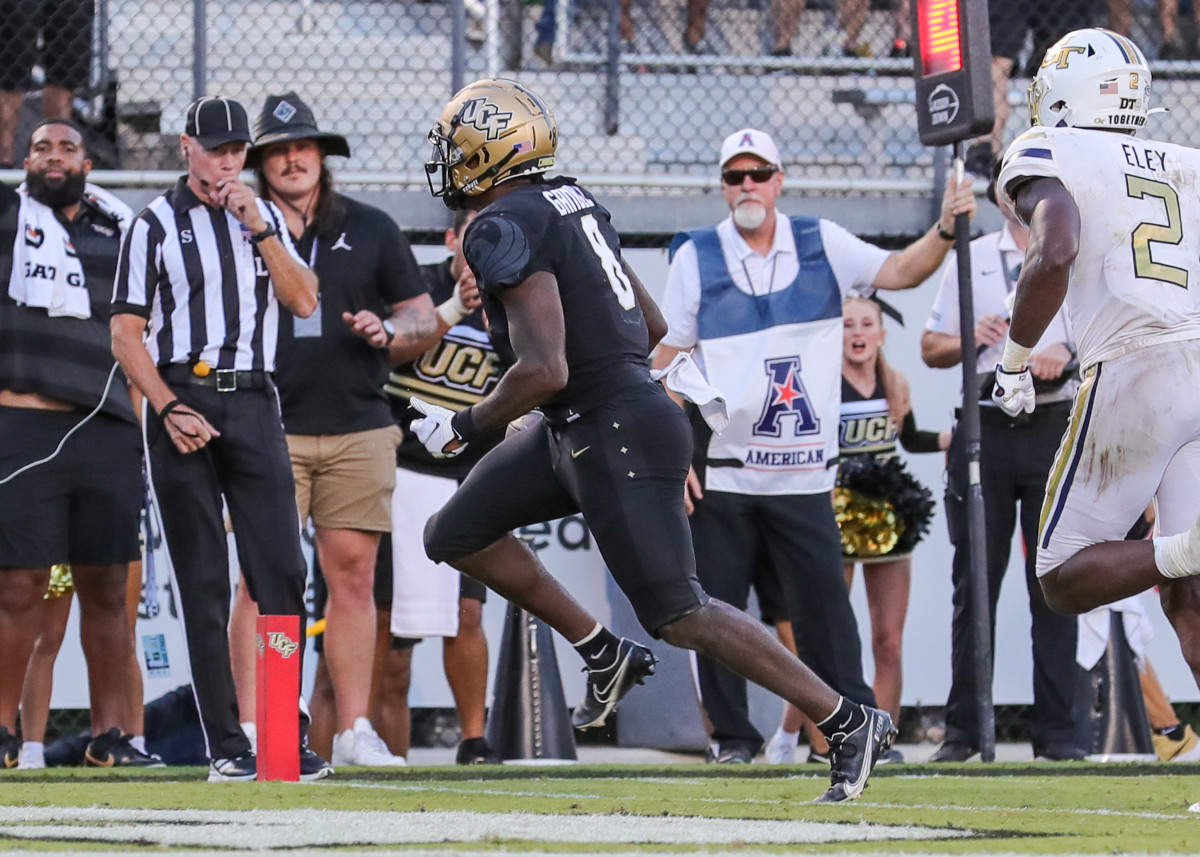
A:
953, 82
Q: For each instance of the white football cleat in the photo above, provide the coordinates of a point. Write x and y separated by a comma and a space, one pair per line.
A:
363, 746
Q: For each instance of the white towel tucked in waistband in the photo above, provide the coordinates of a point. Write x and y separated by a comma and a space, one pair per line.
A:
1094, 629
684, 377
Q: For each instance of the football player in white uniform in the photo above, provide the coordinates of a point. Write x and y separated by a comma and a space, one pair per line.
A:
1115, 231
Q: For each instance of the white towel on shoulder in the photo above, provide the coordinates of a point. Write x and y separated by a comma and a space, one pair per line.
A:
46, 271
684, 377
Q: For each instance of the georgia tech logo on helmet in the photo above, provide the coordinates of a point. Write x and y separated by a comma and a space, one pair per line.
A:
483, 115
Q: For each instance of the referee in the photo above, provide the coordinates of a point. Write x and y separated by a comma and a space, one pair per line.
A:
195, 318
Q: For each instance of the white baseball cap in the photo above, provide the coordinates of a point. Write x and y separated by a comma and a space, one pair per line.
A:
750, 141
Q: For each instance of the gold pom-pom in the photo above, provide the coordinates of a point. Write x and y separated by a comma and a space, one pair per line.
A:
869, 525
61, 582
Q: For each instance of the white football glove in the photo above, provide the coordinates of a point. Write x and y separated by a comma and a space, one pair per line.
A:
1013, 391
434, 429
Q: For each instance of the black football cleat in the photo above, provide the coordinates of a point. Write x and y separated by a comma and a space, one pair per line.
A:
475, 751
10, 748
112, 749
853, 755
241, 769
606, 686
312, 766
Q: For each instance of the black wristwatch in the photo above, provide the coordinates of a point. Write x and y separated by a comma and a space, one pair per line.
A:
390, 330
258, 237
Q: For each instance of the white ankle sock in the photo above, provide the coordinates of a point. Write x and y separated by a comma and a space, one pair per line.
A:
138, 742
782, 736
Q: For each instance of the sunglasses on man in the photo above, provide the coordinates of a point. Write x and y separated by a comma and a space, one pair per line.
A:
758, 175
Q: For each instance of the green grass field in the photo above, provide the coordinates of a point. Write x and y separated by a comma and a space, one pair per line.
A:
999, 808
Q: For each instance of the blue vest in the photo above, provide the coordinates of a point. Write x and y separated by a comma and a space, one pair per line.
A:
725, 310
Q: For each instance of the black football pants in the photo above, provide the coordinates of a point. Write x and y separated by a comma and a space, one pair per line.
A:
249, 465
1014, 463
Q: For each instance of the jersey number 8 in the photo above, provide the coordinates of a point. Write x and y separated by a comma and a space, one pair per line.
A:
609, 262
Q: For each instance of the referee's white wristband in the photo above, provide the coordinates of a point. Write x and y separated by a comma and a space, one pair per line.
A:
1015, 357
452, 311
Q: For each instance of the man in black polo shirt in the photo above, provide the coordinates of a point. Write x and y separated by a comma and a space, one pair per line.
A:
203, 271
80, 504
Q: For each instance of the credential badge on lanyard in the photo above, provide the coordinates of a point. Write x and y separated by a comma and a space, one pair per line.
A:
311, 326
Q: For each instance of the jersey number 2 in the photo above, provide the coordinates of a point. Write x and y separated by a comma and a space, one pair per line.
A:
609, 262
1151, 233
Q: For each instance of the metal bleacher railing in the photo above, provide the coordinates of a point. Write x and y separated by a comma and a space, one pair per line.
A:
641, 109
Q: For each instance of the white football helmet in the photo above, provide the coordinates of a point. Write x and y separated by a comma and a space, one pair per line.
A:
1092, 79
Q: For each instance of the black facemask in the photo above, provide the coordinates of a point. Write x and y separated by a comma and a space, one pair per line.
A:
56, 193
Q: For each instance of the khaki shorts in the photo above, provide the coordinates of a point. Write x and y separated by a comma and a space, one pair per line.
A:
345, 481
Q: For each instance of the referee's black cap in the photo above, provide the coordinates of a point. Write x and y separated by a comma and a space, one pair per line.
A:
215, 120
287, 117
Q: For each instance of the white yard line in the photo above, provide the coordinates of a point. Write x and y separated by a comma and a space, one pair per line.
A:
269, 829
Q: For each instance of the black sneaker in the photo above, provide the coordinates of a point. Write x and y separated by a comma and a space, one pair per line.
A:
114, 750
10, 748
312, 766
853, 755
475, 751
233, 770
608, 686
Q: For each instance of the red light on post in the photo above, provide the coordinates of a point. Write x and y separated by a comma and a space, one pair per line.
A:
941, 36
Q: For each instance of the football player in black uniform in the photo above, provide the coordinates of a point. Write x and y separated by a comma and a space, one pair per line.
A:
576, 326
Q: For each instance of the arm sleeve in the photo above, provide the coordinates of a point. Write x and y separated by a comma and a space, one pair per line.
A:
138, 269
855, 262
914, 439
681, 299
399, 277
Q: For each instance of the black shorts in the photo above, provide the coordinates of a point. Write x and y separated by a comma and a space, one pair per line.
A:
623, 466
66, 30
83, 506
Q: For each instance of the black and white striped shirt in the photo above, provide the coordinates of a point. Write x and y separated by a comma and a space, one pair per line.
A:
192, 271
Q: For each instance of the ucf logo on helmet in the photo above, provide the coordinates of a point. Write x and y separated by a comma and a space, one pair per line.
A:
485, 116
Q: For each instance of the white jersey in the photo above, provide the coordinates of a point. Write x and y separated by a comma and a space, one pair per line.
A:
1136, 279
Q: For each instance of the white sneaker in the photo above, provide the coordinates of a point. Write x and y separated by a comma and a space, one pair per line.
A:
781, 749
33, 756
363, 746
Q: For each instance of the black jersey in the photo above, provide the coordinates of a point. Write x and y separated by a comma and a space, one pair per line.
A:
560, 228
867, 426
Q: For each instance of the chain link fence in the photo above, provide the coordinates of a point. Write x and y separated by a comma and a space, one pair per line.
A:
643, 90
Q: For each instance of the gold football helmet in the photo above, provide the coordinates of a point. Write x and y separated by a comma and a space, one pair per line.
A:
491, 131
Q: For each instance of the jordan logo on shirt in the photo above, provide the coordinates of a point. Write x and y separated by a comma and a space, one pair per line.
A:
786, 396
341, 244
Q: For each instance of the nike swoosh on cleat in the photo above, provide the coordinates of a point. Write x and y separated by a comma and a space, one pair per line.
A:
601, 652
575, 453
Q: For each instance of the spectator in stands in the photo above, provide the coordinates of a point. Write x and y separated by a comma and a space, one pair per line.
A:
1120, 17
852, 15
759, 299
1015, 455
1011, 22
65, 30
340, 432
432, 599
59, 242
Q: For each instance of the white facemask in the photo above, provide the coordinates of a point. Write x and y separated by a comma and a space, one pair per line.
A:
750, 215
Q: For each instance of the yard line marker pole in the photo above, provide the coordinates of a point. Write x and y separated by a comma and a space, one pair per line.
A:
278, 678
953, 81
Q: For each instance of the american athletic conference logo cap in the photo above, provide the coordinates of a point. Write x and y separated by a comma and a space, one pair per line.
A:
750, 141
215, 120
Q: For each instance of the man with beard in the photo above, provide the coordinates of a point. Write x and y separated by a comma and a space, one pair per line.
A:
759, 300
70, 467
